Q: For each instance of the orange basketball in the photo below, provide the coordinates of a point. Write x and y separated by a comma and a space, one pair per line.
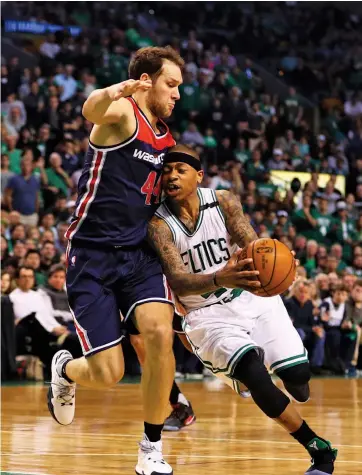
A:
275, 263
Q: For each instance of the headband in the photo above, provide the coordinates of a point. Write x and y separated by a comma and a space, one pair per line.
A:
173, 157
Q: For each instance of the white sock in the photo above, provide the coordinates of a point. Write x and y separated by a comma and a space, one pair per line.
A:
181, 398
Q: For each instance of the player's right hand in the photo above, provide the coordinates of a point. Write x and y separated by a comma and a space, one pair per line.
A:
237, 274
127, 88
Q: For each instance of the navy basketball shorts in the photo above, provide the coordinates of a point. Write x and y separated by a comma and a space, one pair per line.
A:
101, 284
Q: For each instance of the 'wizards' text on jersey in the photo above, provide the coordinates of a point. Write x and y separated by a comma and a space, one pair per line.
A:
120, 187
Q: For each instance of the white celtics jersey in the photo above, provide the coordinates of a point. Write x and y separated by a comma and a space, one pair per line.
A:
205, 250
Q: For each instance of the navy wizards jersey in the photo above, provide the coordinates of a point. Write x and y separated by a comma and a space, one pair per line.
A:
120, 187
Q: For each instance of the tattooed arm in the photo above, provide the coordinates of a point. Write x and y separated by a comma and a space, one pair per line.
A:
237, 224
181, 281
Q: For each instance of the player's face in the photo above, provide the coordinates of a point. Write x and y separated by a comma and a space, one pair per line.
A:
179, 180
164, 93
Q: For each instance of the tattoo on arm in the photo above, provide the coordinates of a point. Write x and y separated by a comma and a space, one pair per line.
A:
237, 224
181, 281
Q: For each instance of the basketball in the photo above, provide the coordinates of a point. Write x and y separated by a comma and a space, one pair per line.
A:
275, 263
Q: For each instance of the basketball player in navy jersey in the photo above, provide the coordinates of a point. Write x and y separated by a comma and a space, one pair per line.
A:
111, 268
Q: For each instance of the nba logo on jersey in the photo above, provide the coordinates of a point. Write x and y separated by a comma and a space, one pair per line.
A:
72, 261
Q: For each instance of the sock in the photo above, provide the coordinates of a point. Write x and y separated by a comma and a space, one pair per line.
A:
183, 400
304, 434
174, 394
64, 374
153, 431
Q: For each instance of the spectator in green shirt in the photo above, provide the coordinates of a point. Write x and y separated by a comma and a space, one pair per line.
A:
189, 93
337, 252
14, 155
58, 180
267, 187
305, 219
344, 230
32, 259
241, 154
209, 139
254, 167
310, 260
324, 221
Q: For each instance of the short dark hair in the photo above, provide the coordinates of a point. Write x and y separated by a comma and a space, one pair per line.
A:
339, 288
358, 283
56, 268
47, 242
19, 269
150, 60
32, 251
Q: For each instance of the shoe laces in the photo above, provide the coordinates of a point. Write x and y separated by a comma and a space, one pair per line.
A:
65, 394
148, 447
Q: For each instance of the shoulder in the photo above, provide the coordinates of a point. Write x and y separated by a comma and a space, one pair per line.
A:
228, 201
158, 226
13, 181
14, 294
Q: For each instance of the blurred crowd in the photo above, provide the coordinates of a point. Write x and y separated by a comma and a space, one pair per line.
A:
242, 132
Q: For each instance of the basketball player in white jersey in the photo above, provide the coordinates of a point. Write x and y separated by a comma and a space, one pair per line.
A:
198, 234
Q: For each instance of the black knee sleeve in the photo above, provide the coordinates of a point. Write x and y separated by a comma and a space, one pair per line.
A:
251, 371
296, 381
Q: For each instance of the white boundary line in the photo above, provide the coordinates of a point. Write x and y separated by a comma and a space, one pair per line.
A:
228, 457
23, 473
131, 436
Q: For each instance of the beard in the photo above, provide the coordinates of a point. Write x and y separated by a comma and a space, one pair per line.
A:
156, 107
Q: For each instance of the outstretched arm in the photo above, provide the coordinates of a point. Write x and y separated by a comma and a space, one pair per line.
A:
181, 281
237, 224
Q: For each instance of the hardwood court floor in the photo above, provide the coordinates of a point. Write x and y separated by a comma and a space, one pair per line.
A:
231, 435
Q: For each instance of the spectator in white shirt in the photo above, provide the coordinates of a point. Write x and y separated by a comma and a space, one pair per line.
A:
353, 107
67, 83
49, 48
36, 329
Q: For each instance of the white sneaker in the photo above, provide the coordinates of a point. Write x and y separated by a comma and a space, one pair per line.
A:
150, 459
61, 394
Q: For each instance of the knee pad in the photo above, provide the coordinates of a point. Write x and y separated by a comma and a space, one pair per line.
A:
296, 381
251, 371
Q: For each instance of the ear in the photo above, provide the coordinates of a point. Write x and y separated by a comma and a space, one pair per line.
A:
145, 77
200, 176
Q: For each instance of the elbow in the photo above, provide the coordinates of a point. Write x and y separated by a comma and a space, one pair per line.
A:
178, 288
87, 111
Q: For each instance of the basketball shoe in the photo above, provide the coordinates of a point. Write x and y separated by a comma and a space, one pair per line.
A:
181, 416
150, 459
61, 393
323, 457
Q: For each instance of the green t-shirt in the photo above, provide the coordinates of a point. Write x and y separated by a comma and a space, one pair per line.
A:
267, 189
325, 223
310, 265
189, 97
56, 180
254, 171
242, 155
292, 107
303, 226
15, 159
204, 99
210, 142
40, 279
